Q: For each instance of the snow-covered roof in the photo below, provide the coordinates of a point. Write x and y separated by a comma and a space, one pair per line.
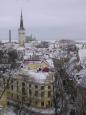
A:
26, 57
38, 77
82, 78
20, 48
50, 62
73, 59
28, 53
82, 54
82, 82
82, 73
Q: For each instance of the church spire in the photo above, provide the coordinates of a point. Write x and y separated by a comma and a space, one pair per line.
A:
21, 22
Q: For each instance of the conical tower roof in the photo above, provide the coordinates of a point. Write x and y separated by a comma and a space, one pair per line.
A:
21, 22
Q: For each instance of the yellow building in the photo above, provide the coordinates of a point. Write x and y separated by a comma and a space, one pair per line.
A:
37, 64
21, 32
3, 100
3, 93
33, 89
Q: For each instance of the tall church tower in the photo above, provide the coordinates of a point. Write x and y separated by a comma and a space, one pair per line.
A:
21, 32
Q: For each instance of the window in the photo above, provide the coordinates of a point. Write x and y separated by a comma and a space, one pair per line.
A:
29, 85
12, 95
12, 82
23, 84
49, 87
17, 86
42, 94
36, 102
42, 104
17, 97
42, 87
23, 99
23, 91
36, 93
49, 93
17, 83
30, 92
11, 87
48, 103
36, 87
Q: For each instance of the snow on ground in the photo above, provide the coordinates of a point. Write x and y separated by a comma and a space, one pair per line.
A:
44, 111
9, 111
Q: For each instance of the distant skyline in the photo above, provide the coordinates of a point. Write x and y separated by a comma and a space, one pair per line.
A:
45, 19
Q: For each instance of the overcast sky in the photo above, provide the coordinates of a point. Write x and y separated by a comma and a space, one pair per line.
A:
45, 19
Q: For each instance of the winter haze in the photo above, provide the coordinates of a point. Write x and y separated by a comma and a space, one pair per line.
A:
45, 19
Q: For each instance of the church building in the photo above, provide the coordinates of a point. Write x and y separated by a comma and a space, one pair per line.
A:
21, 32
